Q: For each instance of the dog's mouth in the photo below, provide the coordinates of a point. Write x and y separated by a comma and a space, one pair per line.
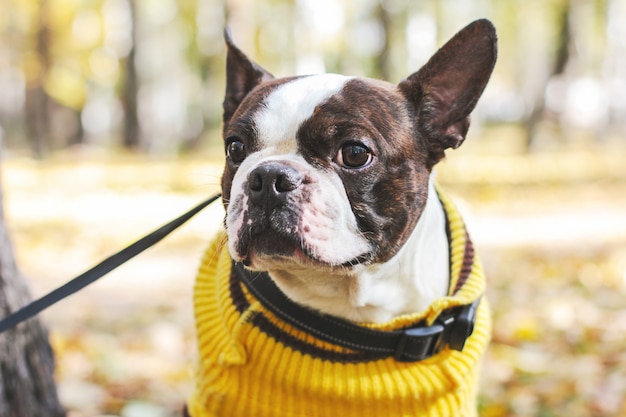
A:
269, 249
298, 259
254, 247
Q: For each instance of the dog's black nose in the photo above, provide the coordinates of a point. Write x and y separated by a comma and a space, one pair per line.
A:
271, 182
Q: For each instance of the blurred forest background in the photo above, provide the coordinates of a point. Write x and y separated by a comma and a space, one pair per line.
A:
110, 123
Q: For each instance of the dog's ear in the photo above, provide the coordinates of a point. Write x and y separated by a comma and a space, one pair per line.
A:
446, 89
242, 75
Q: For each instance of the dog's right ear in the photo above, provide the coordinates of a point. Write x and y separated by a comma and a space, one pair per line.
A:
446, 89
242, 75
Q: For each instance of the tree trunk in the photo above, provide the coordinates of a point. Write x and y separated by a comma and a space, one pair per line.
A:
562, 57
27, 387
37, 100
383, 60
132, 131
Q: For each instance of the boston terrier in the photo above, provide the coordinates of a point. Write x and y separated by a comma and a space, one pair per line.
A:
337, 241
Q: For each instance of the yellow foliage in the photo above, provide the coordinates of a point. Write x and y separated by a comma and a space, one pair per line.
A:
87, 29
31, 65
104, 66
61, 13
494, 410
527, 330
66, 86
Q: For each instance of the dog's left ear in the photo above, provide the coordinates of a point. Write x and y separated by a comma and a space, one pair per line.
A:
242, 75
446, 89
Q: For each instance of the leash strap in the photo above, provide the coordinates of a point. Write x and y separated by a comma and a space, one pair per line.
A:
451, 329
100, 269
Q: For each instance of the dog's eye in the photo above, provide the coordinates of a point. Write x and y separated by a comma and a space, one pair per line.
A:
236, 151
354, 155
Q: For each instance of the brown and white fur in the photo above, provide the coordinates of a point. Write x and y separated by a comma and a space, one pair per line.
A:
328, 179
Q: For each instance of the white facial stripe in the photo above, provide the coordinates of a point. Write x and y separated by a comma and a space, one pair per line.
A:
290, 105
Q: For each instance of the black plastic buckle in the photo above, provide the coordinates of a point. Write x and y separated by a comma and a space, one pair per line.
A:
451, 329
463, 327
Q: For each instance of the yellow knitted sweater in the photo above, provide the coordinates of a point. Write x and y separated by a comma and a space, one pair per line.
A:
253, 364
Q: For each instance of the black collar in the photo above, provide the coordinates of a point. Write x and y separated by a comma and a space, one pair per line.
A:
415, 343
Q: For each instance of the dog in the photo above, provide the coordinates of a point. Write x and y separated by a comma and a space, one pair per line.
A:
344, 282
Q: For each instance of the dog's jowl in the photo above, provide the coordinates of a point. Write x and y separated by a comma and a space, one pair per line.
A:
344, 282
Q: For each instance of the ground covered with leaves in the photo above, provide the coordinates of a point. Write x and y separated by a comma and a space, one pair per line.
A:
550, 229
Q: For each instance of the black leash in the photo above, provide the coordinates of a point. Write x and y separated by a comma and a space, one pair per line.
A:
100, 269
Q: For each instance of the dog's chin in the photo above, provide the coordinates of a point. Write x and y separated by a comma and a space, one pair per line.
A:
283, 253
257, 260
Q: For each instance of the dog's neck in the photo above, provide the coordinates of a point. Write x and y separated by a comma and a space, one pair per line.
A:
408, 283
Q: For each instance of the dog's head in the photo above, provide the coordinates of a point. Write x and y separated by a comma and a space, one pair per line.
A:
330, 172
